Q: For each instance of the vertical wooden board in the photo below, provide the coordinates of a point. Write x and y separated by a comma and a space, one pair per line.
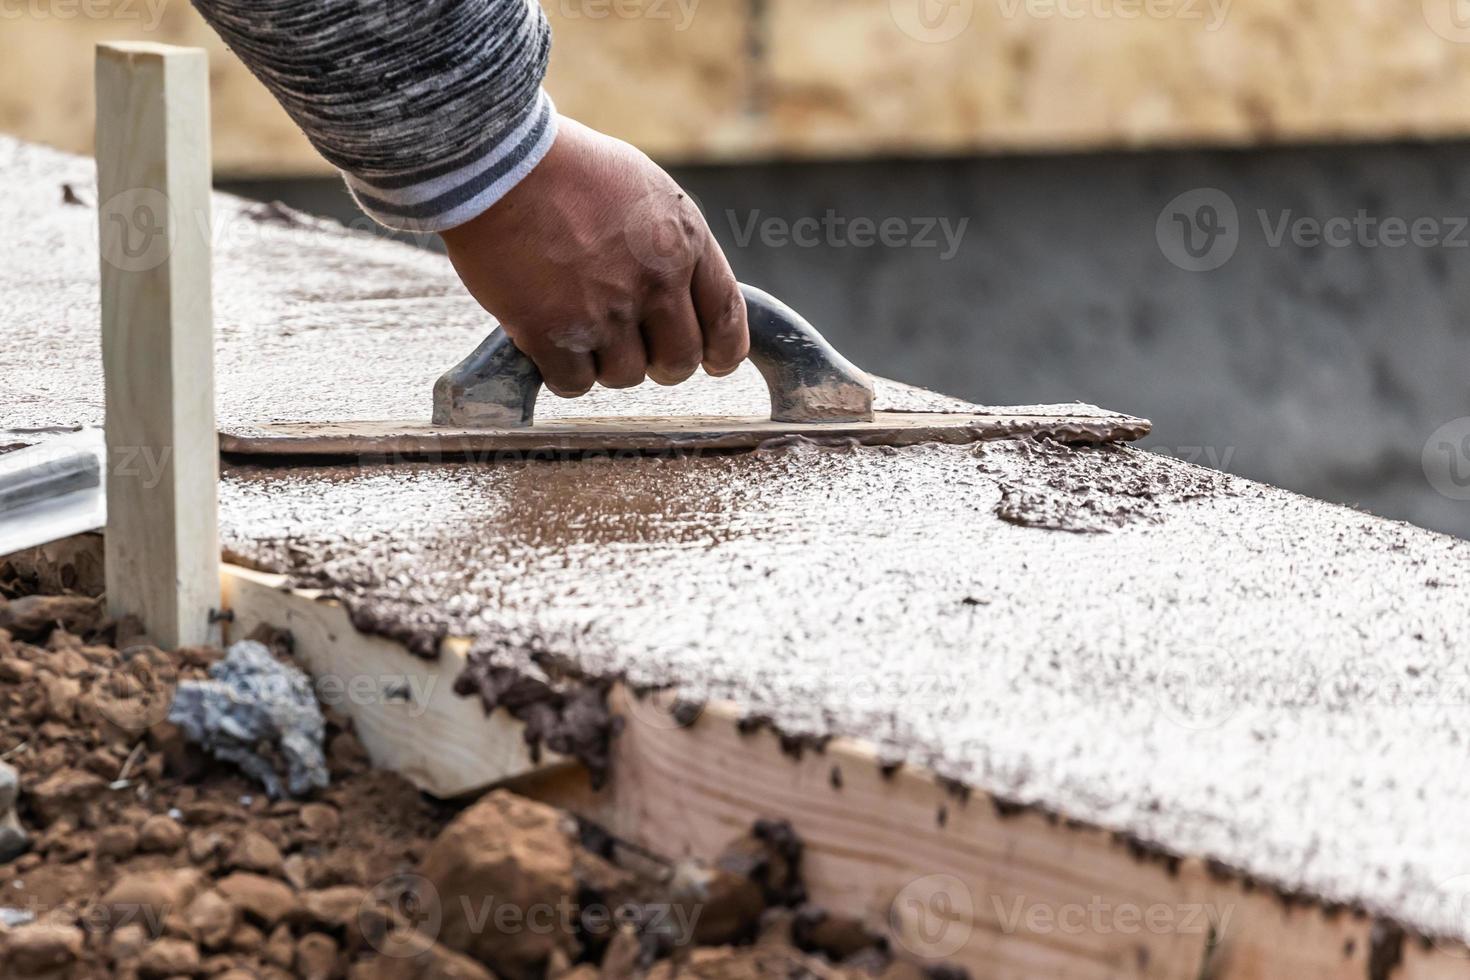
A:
157, 338
403, 707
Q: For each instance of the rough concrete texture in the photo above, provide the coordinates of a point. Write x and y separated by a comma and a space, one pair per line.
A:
252, 700
1215, 666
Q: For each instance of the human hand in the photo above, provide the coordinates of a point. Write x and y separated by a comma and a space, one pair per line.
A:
601, 269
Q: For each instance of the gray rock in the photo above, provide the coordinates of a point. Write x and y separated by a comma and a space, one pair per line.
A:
14, 841
11, 917
252, 698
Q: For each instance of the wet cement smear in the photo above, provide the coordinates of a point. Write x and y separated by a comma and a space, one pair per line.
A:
1041, 487
1232, 671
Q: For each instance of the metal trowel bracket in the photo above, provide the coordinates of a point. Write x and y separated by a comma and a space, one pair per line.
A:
496, 386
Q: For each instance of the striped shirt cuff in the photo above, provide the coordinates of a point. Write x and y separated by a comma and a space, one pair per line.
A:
438, 201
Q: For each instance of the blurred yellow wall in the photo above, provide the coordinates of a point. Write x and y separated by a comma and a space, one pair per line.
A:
702, 80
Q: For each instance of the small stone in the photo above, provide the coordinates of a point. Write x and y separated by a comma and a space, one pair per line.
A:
212, 919
265, 900
160, 834
13, 670
254, 852
13, 837
321, 821
65, 792
316, 957
516, 850
169, 958
297, 870
280, 949
247, 939
336, 908
152, 896
61, 697
117, 841
34, 617
127, 941
42, 947
435, 962
207, 845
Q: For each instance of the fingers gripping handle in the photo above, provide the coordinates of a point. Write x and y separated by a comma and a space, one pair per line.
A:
496, 386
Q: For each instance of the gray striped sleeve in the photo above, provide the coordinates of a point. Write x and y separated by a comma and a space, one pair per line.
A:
433, 109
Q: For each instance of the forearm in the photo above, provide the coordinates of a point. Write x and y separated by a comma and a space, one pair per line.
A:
432, 108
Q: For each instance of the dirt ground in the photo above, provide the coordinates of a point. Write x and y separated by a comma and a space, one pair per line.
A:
131, 853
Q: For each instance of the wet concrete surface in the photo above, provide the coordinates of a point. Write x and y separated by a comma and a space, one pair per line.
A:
1211, 665
1207, 664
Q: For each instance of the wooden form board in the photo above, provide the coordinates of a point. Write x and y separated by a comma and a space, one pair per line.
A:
664, 434
947, 877
153, 179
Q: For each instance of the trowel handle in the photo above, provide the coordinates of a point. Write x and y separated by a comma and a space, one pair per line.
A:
496, 386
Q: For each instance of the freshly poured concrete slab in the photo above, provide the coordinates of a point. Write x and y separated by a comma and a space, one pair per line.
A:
1215, 667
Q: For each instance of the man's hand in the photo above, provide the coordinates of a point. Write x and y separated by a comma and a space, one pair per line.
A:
601, 269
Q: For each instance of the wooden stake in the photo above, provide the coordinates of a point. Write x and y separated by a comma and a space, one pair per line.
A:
153, 180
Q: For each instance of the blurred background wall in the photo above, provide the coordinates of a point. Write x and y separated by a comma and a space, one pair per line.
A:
1245, 219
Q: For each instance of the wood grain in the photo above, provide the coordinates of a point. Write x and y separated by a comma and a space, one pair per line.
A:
153, 175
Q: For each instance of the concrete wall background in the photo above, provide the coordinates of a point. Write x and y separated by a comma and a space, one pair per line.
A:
1323, 368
